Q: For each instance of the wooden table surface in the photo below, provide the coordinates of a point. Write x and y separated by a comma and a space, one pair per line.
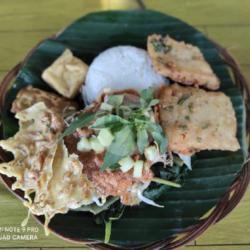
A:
24, 22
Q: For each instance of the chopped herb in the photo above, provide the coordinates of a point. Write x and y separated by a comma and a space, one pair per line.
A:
160, 47
187, 117
191, 107
183, 126
183, 99
206, 125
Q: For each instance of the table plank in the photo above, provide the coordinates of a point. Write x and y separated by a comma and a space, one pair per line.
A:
235, 39
232, 229
30, 15
14, 46
210, 12
13, 213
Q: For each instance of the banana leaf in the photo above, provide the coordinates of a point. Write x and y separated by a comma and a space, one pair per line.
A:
213, 171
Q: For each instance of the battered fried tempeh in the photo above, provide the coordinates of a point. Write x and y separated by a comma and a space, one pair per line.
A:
181, 62
196, 120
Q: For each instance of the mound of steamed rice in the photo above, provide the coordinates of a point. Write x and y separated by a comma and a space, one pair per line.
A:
120, 67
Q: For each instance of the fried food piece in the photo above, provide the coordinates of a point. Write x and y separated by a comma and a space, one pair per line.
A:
196, 120
42, 165
66, 74
28, 96
181, 62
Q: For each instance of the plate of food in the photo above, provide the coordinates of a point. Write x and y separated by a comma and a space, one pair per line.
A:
125, 130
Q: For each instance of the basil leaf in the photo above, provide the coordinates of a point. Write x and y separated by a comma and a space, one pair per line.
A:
109, 121
115, 100
147, 94
122, 145
158, 135
161, 141
142, 140
81, 121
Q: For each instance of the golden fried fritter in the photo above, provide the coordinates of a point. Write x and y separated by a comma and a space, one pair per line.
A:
194, 119
181, 62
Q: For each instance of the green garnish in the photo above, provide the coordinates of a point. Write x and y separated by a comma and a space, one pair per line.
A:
109, 121
166, 182
122, 145
130, 126
82, 120
183, 126
142, 139
183, 99
108, 226
191, 107
160, 47
114, 213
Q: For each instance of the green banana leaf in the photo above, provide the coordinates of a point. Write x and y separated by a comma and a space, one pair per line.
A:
213, 171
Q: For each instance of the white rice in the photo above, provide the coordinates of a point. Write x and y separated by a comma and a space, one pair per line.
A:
120, 67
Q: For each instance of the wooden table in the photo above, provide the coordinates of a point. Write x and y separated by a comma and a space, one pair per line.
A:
24, 22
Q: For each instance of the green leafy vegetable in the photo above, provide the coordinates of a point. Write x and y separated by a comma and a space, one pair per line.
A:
108, 228
158, 135
109, 121
122, 145
183, 99
106, 217
142, 140
160, 46
166, 182
147, 98
175, 174
82, 120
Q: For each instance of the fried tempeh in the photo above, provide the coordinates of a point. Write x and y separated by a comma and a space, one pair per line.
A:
181, 62
194, 120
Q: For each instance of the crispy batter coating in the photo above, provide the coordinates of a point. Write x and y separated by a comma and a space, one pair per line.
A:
195, 120
28, 96
181, 62
42, 165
